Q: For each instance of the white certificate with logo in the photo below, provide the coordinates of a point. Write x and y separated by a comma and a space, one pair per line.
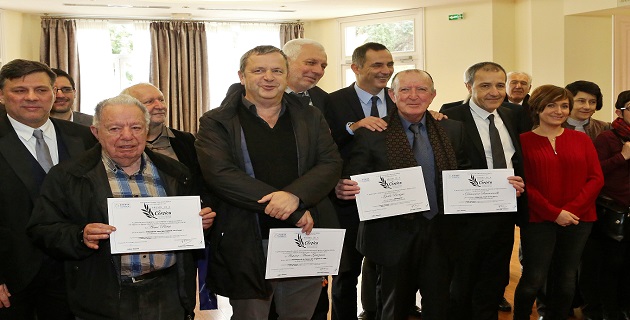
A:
155, 224
478, 191
391, 193
292, 253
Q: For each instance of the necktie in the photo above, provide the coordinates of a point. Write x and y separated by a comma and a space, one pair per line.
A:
498, 157
374, 110
41, 150
305, 99
425, 159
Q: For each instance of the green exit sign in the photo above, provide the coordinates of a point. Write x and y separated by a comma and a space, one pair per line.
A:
457, 16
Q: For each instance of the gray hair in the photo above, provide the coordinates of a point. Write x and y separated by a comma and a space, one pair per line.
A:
293, 47
122, 99
261, 51
469, 76
529, 77
395, 80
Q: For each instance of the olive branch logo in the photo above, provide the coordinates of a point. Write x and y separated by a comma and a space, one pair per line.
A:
473, 181
148, 212
300, 242
384, 183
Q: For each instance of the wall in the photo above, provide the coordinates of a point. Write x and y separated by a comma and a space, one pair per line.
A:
21, 35
328, 34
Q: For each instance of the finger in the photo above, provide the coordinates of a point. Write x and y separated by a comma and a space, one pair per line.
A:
91, 245
266, 198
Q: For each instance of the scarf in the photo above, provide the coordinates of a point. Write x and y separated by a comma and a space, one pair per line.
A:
400, 155
622, 129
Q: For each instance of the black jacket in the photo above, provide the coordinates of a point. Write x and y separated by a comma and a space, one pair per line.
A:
74, 194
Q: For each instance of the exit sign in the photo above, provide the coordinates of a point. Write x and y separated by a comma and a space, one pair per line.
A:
457, 16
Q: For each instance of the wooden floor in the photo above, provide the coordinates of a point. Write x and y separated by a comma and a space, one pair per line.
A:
225, 310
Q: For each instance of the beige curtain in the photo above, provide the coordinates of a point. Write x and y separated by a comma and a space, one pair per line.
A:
179, 68
290, 31
58, 49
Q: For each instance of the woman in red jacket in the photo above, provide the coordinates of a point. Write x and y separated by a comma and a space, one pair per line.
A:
563, 180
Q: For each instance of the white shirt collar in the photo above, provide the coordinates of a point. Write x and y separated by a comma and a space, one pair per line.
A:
26, 132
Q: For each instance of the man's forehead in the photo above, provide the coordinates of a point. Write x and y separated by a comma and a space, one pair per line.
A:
490, 76
31, 77
264, 59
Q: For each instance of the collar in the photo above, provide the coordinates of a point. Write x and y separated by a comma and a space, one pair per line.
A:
26, 132
289, 91
483, 114
252, 108
114, 167
366, 97
406, 123
577, 123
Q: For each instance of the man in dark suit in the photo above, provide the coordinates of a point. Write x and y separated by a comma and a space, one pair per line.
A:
307, 63
482, 272
410, 250
361, 105
65, 95
31, 283
518, 85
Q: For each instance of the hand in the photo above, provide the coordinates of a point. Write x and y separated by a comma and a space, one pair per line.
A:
625, 150
306, 223
567, 218
437, 116
518, 184
346, 189
4, 296
281, 204
371, 123
207, 217
95, 232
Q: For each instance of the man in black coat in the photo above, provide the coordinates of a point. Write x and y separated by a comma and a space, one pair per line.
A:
410, 251
31, 283
482, 272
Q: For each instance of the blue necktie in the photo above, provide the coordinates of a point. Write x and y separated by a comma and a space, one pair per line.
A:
424, 156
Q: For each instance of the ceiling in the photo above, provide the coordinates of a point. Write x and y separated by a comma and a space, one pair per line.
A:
220, 10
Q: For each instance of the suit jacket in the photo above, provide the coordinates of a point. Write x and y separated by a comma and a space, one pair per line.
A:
474, 146
20, 180
82, 118
343, 106
523, 112
385, 240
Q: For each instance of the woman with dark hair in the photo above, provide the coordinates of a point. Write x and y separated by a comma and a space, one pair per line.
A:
613, 149
587, 98
563, 180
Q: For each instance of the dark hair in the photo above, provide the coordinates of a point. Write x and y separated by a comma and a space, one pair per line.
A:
469, 75
20, 68
259, 51
358, 55
544, 95
622, 99
61, 73
588, 87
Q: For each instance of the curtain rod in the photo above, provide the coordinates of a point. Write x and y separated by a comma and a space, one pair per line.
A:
45, 16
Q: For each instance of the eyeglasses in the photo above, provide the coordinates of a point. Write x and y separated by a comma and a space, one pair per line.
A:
64, 89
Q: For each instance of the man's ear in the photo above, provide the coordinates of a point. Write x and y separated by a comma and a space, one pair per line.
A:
94, 131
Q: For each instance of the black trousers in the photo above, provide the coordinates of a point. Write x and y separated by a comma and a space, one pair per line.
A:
422, 267
483, 269
45, 297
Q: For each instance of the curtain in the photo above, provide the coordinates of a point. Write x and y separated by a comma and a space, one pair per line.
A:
290, 31
58, 49
179, 68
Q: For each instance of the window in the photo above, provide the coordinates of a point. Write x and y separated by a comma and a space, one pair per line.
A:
112, 56
401, 32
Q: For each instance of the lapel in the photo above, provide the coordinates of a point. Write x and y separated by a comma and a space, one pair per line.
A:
352, 99
17, 156
389, 103
473, 134
506, 117
73, 144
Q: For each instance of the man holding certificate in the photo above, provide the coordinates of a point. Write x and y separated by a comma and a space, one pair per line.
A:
70, 221
486, 240
409, 250
271, 161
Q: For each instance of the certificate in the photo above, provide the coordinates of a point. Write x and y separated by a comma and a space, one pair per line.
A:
155, 224
478, 191
292, 253
391, 193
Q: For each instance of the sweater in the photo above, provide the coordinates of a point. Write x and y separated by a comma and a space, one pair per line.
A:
568, 178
